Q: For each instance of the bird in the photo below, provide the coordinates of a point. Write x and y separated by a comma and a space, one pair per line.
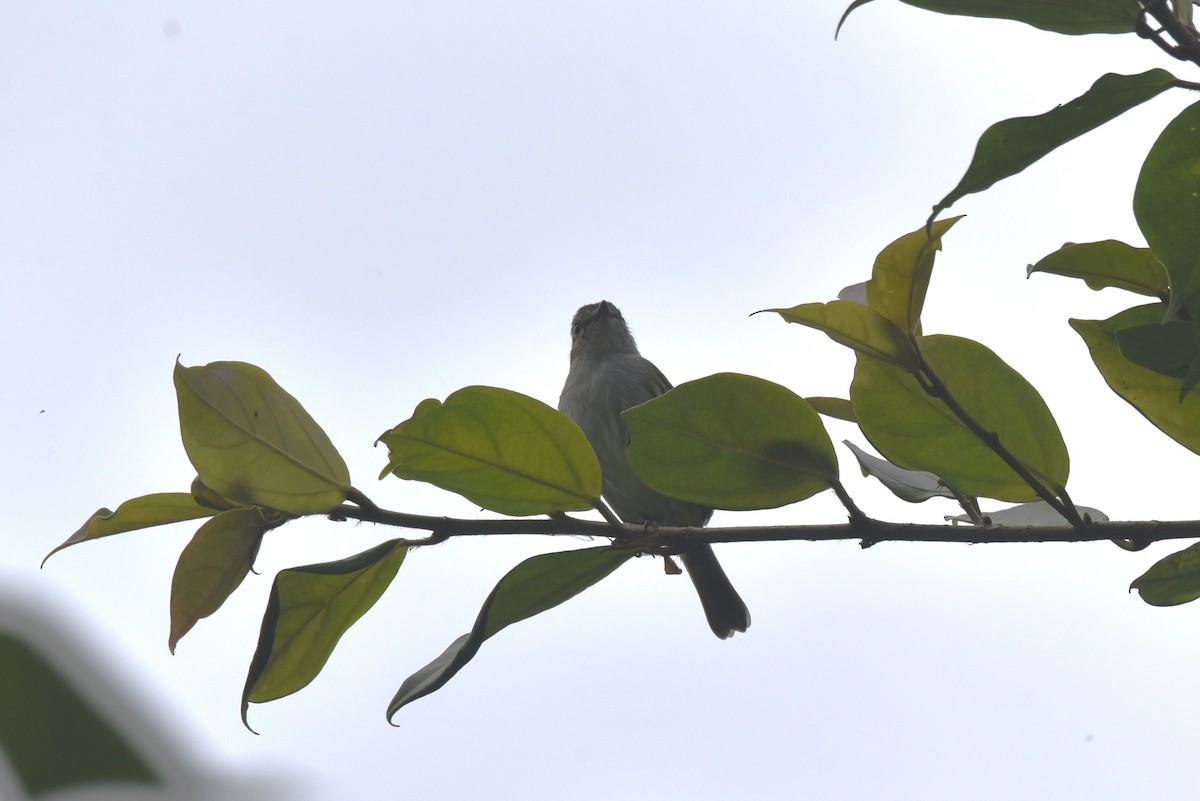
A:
608, 375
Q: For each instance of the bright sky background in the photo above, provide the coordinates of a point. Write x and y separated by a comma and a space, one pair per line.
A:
380, 202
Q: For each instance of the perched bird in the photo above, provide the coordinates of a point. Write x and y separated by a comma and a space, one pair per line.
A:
608, 376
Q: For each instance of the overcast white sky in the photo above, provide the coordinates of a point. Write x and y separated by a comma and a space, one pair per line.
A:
380, 202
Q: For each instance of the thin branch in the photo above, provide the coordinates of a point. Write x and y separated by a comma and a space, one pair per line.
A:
674, 539
934, 386
1180, 40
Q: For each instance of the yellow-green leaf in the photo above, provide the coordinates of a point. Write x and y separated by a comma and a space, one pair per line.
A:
901, 274
1108, 263
158, 509
731, 441
856, 326
500, 449
214, 564
252, 442
838, 408
917, 431
532, 587
309, 610
1155, 395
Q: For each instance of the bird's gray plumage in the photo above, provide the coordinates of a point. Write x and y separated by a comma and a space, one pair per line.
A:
608, 375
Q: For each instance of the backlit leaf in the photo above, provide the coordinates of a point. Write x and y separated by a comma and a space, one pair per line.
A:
917, 431
901, 273
214, 564
1108, 264
252, 442
731, 441
500, 449
1154, 395
1172, 580
532, 587
855, 326
159, 509
1166, 203
1009, 146
309, 610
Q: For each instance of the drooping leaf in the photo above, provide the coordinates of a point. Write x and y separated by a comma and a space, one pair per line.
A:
856, 326
500, 449
309, 610
1172, 580
1166, 203
917, 431
1038, 513
1072, 17
839, 408
532, 587
1108, 263
252, 442
214, 564
731, 441
1156, 396
1009, 146
159, 509
914, 486
57, 742
900, 276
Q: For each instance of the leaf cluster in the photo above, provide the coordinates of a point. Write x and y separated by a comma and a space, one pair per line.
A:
948, 416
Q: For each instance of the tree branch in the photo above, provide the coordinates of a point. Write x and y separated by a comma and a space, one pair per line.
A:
673, 540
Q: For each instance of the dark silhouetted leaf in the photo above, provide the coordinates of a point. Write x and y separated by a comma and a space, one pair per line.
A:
1072, 17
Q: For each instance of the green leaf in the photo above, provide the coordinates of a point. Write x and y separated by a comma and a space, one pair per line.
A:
309, 610
500, 449
532, 587
1166, 348
731, 441
56, 742
856, 326
1166, 203
1171, 581
252, 442
919, 432
901, 274
159, 509
1008, 147
838, 408
1156, 396
1108, 263
1072, 17
213, 565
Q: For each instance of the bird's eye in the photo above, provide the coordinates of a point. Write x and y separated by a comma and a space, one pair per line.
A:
576, 330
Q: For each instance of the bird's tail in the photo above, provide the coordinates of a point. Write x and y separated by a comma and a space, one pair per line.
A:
724, 608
